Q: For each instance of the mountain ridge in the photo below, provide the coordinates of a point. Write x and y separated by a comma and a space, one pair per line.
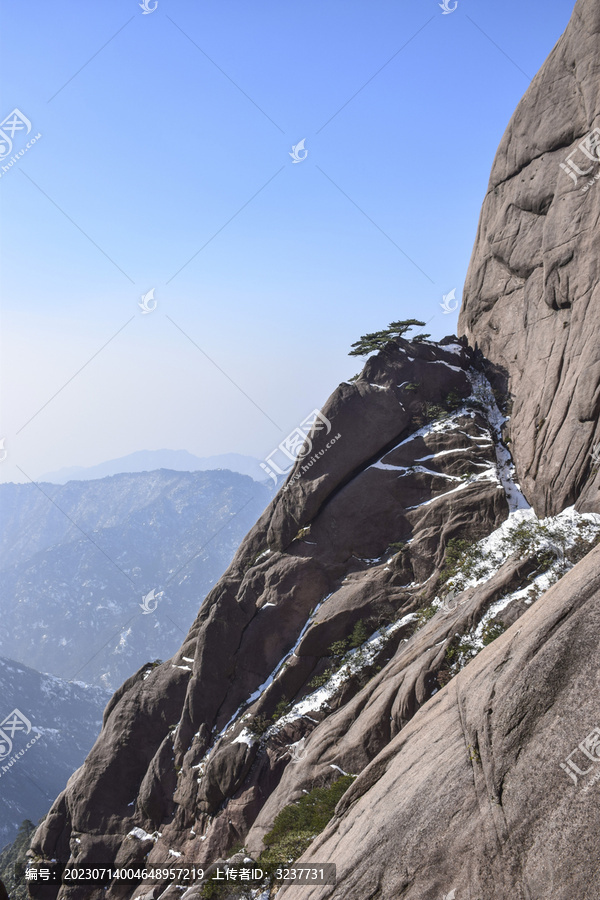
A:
150, 460
65, 716
77, 561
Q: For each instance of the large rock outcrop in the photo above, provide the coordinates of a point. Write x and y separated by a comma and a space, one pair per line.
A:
532, 295
359, 538
471, 796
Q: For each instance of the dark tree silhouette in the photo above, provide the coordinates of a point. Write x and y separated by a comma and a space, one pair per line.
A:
376, 340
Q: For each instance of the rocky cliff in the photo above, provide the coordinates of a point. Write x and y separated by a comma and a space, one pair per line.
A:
532, 295
400, 612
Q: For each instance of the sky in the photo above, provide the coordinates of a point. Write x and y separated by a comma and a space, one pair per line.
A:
164, 169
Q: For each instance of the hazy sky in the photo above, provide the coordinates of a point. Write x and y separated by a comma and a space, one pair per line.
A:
163, 163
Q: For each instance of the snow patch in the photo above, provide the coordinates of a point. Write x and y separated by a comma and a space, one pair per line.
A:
142, 835
357, 659
244, 737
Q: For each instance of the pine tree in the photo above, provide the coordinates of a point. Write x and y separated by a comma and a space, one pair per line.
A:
376, 340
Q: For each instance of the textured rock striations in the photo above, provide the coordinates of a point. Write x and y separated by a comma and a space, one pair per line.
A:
399, 612
532, 295
470, 796
359, 538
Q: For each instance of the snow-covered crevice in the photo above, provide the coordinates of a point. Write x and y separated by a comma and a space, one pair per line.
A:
488, 475
482, 390
403, 470
357, 659
245, 736
447, 423
142, 835
503, 471
555, 534
550, 539
267, 684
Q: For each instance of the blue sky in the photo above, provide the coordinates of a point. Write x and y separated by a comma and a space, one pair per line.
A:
164, 164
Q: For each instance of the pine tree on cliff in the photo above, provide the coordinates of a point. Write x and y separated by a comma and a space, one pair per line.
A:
376, 340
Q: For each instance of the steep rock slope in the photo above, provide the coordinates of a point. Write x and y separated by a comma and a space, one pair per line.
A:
77, 560
61, 722
532, 294
352, 547
502, 819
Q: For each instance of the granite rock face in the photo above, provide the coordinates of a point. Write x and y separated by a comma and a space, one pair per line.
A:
532, 295
501, 818
358, 540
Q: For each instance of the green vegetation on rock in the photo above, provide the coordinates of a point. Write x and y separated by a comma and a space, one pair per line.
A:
298, 824
13, 861
293, 831
377, 340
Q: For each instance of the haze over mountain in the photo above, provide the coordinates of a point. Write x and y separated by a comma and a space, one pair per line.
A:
150, 460
61, 722
77, 561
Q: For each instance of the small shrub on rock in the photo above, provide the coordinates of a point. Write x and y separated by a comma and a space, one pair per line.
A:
298, 824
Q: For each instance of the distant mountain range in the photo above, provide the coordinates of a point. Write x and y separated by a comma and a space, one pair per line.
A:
60, 721
77, 561
150, 460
